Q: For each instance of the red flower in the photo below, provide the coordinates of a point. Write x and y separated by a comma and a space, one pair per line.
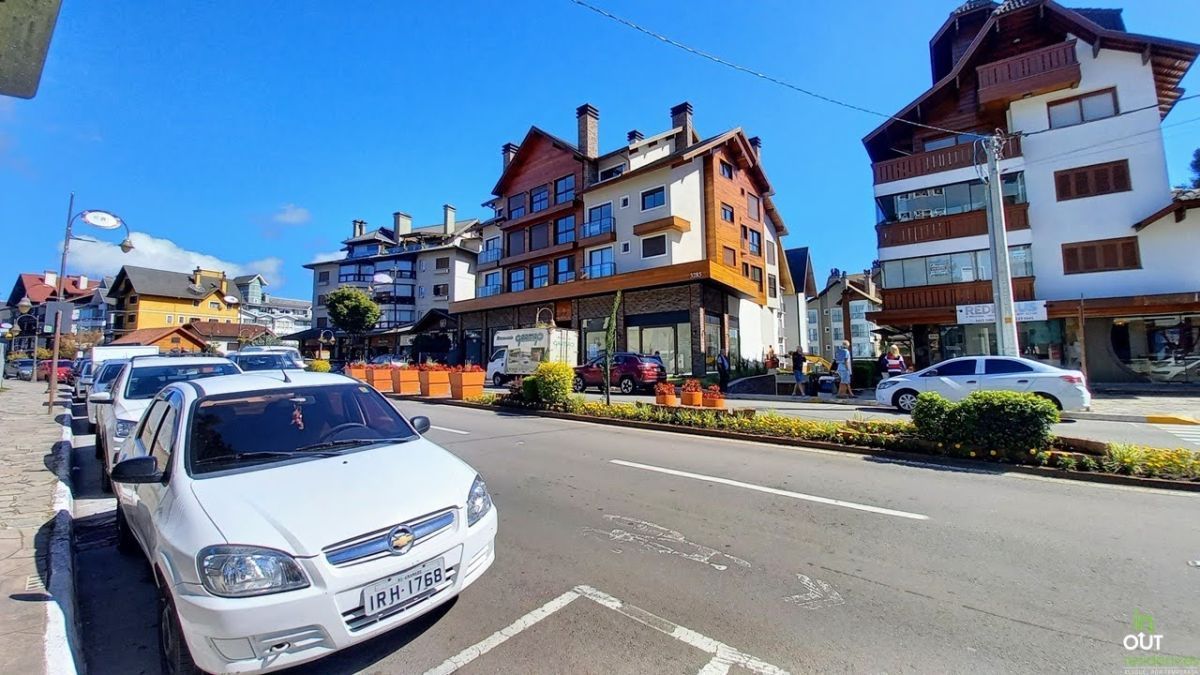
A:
664, 389
691, 385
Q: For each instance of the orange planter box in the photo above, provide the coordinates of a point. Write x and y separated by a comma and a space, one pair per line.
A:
380, 378
695, 398
666, 399
405, 381
435, 383
357, 372
714, 403
466, 385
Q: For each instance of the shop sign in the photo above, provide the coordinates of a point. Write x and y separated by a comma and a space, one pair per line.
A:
1029, 310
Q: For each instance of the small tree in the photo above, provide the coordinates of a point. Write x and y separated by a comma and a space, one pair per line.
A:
610, 345
352, 311
1195, 165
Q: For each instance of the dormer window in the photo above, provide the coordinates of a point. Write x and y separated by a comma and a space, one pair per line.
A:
612, 172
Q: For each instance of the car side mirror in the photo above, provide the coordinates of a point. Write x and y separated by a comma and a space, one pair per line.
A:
420, 423
100, 398
137, 470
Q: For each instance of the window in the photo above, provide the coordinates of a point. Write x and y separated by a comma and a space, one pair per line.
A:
655, 198
441, 264
753, 207
600, 263
835, 315
541, 275
170, 319
624, 247
564, 270
564, 189
133, 299
516, 242
441, 290
420, 291
945, 200
516, 206
652, 247
771, 255
729, 256
772, 286
756, 275
1102, 255
726, 213
953, 368
323, 277
612, 172
727, 170
539, 236
1086, 108
755, 242
953, 268
491, 244
214, 305
1089, 181
1004, 367
150, 423
564, 230
516, 280
940, 142
624, 201
491, 285
539, 199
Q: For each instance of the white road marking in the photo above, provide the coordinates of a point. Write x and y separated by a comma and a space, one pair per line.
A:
656, 538
775, 491
501, 636
453, 431
1189, 434
817, 595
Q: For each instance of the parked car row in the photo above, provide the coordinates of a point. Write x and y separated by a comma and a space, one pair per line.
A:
215, 466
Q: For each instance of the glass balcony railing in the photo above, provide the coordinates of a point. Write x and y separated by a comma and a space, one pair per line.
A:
599, 270
490, 255
488, 291
597, 227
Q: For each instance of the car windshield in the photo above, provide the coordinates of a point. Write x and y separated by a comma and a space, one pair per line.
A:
146, 381
266, 361
281, 424
108, 372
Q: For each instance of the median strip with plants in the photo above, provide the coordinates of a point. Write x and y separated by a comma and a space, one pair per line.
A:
988, 426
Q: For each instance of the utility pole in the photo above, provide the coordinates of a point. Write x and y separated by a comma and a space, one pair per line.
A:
1002, 290
52, 389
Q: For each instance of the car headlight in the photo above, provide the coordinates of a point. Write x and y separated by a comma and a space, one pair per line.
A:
243, 571
887, 384
124, 428
479, 502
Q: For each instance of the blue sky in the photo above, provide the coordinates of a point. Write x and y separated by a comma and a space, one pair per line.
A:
254, 132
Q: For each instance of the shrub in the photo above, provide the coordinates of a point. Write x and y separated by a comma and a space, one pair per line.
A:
554, 383
929, 416
1066, 462
1088, 464
1124, 458
664, 389
691, 385
1139, 460
1006, 421
527, 389
319, 366
713, 393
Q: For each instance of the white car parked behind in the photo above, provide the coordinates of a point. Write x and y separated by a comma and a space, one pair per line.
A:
290, 515
957, 378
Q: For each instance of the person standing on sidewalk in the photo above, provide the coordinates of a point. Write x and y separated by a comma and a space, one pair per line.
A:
841, 362
799, 372
894, 363
723, 369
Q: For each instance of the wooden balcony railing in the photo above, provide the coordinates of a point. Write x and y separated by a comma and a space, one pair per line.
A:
934, 161
951, 295
1016, 217
1029, 74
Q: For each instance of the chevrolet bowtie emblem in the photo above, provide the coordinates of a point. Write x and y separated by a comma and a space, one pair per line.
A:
400, 540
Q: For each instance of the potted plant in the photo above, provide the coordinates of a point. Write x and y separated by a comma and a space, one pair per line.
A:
693, 394
380, 377
405, 381
713, 397
466, 382
434, 379
664, 394
358, 371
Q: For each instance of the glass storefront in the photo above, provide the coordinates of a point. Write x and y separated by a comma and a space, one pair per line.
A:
1159, 348
672, 343
1039, 340
594, 336
712, 341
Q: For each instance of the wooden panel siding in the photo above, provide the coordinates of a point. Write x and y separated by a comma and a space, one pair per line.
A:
720, 234
1029, 74
972, 223
950, 295
935, 161
669, 223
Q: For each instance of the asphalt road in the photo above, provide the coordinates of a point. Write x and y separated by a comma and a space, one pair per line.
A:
844, 563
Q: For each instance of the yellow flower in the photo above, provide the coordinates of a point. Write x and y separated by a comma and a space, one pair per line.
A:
993, 453
1033, 451
972, 453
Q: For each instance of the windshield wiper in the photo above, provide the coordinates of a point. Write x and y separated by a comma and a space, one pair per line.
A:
351, 442
264, 454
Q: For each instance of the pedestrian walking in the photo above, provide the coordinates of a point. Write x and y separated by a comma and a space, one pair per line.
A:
723, 369
841, 361
894, 363
800, 373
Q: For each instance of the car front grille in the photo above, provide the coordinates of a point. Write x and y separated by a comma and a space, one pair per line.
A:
374, 545
356, 619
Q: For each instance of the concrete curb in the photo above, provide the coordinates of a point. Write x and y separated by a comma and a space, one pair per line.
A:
1159, 418
63, 646
805, 399
966, 465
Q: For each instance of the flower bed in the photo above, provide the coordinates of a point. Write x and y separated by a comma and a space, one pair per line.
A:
693, 394
434, 380
664, 394
713, 398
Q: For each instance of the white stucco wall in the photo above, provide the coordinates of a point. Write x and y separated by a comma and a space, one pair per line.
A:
463, 284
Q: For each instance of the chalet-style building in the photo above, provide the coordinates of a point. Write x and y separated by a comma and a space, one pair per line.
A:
683, 225
1102, 252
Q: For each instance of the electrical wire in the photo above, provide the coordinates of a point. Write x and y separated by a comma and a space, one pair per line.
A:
1105, 144
1120, 114
760, 75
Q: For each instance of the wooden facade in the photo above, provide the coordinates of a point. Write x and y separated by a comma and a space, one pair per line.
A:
969, 224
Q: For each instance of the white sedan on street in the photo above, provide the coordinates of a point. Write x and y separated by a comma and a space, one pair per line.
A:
957, 378
290, 515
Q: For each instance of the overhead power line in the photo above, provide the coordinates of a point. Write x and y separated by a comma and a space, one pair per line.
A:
770, 78
1120, 114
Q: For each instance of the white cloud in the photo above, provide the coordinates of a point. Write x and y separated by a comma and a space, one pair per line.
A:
327, 257
99, 258
290, 214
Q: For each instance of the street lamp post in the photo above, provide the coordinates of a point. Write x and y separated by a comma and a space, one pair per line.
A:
23, 308
323, 341
99, 219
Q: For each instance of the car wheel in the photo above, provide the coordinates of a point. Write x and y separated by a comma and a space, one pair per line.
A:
905, 400
1048, 397
578, 385
627, 385
498, 380
172, 647
125, 541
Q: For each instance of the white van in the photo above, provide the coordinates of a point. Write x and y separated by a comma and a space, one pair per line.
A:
100, 354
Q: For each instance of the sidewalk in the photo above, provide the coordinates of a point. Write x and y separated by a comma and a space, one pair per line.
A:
35, 573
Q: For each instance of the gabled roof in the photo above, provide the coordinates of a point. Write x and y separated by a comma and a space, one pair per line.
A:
35, 287
1182, 200
163, 283
247, 278
384, 234
149, 336
525, 148
801, 269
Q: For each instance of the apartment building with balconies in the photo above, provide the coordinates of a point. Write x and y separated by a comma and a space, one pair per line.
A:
1099, 244
684, 226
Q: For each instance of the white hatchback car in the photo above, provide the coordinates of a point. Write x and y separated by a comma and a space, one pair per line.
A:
290, 515
957, 378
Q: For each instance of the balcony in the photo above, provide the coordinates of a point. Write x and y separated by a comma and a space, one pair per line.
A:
488, 257
489, 291
595, 228
935, 161
950, 295
355, 278
969, 224
1037, 72
598, 271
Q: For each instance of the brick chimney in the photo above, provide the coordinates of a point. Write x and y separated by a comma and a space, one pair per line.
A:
196, 277
681, 118
360, 226
401, 223
756, 143
588, 119
448, 219
634, 136
83, 282
508, 151
51, 278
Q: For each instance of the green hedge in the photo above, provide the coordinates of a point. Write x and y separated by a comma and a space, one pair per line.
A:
1001, 423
